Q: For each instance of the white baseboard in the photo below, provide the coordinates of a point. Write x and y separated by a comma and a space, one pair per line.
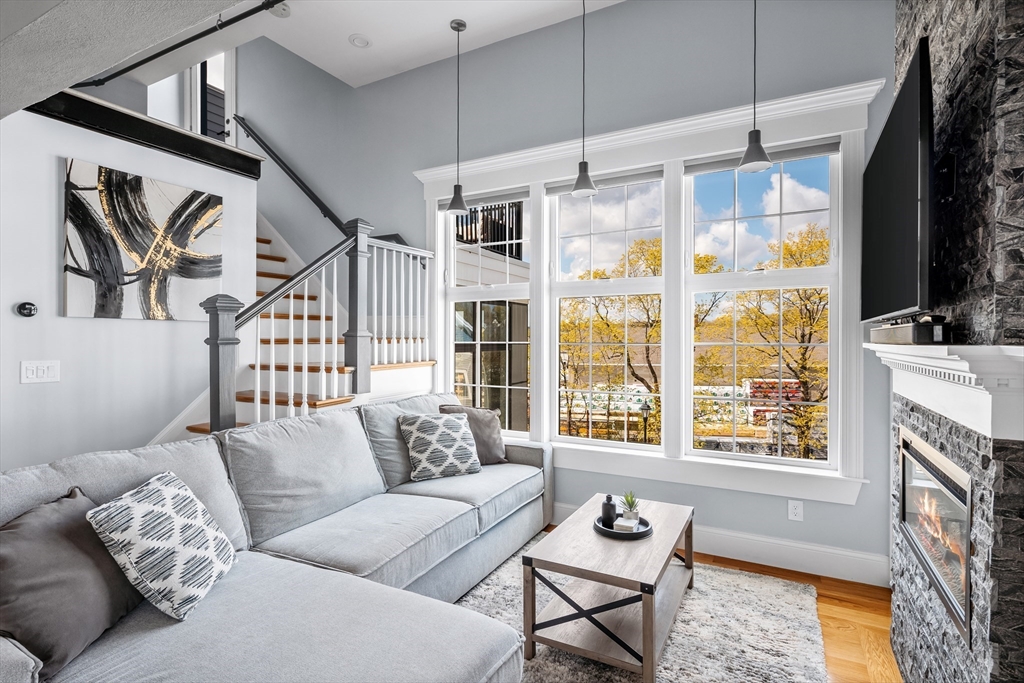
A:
812, 558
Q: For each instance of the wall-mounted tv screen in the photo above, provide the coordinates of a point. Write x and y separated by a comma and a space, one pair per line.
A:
896, 262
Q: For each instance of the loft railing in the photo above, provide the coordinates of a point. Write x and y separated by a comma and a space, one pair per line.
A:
496, 227
388, 301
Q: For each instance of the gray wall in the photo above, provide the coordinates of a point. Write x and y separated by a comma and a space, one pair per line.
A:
647, 62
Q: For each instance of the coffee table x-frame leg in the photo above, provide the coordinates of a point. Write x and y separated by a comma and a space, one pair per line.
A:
580, 613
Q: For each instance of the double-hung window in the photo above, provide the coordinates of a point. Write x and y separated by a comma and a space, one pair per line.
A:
488, 285
761, 287
608, 288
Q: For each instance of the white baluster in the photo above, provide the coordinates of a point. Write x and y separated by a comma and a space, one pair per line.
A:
323, 332
272, 408
256, 377
401, 317
418, 331
383, 333
374, 319
290, 411
334, 328
305, 348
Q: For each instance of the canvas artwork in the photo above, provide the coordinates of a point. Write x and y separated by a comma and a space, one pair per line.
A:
137, 247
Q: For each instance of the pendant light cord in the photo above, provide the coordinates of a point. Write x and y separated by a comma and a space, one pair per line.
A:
755, 63
458, 102
584, 125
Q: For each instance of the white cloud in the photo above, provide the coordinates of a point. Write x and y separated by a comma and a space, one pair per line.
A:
751, 248
799, 197
716, 239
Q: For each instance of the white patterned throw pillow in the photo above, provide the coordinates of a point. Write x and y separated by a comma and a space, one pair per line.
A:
439, 445
166, 542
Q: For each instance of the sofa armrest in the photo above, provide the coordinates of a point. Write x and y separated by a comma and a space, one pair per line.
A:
538, 455
17, 665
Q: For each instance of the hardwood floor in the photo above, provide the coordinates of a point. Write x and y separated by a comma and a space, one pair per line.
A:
855, 620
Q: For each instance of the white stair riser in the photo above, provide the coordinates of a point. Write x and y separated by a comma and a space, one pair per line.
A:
313, 351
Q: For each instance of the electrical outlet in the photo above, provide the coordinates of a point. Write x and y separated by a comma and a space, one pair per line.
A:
38, 371
796, 510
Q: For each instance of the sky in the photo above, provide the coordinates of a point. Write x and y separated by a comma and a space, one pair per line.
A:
736, 207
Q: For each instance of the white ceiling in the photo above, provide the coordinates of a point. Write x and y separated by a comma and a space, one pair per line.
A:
405, 34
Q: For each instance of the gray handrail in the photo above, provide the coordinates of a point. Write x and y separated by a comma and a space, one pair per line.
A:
275, 295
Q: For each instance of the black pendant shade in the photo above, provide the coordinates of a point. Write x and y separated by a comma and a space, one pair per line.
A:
457, 206
584, 186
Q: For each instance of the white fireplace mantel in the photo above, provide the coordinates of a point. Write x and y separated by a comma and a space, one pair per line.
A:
981, 387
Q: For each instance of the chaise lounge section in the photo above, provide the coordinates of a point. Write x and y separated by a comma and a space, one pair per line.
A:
326, 532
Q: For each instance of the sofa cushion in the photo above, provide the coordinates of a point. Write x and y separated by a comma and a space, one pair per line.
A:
486, 427
59, 588
293, 471
496, 491
388, 539
381, 423
283, 621
439, 446
165, 542
106, 475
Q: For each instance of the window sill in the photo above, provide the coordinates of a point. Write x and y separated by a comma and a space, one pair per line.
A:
766, 478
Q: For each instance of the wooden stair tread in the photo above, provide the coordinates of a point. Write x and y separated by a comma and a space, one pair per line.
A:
296, 316
272, 257
263, 240
297, 297
275, 276
329, 367
204, 427
281, 399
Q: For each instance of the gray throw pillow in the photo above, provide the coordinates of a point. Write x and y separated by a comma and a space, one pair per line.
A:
166, 542
486, 428
59, 587
439, 446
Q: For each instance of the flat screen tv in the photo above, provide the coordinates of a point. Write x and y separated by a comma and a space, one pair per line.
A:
896, 265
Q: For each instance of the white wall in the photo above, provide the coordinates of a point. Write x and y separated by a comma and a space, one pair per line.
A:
122, 381
165, 100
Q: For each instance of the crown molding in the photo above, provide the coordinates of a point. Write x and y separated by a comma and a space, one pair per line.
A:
807, 103
981, 387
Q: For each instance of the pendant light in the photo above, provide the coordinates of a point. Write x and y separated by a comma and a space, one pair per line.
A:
755, 158
584, 186
457, 206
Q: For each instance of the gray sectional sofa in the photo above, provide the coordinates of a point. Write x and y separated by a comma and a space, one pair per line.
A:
336, 548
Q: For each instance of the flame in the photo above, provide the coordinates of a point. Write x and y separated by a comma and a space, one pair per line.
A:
929, 519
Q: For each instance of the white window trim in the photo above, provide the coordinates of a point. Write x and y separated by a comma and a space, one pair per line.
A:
838, 111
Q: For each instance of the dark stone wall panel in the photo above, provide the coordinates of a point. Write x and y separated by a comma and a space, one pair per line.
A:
977, 53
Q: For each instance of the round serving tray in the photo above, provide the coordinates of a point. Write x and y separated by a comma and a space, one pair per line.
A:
643, 530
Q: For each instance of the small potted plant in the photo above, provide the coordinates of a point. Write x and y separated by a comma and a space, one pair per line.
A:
630, 506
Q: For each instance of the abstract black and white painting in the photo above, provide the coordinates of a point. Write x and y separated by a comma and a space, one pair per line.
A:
136, 247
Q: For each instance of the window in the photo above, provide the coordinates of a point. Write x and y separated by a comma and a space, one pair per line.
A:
610, 313
761, 358
492, 359
492, 245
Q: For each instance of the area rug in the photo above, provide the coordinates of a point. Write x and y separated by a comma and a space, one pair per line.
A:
732, 626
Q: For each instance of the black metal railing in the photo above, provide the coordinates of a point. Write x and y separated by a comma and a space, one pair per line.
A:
495, 227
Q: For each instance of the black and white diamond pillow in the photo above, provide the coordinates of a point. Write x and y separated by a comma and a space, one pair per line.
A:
439, 445
166, 542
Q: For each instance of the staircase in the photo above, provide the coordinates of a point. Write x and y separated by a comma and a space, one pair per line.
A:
300, 345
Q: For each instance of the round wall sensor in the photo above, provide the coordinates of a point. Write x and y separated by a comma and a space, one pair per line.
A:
359, 40
281, 11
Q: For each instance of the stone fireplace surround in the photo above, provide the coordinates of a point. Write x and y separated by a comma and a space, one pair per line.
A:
968, 403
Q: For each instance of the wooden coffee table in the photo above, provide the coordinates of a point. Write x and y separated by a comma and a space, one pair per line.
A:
636, 587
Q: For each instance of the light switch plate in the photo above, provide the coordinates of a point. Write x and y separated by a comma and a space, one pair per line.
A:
38, 371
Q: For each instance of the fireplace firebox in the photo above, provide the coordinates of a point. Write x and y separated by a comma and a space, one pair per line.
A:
935, 507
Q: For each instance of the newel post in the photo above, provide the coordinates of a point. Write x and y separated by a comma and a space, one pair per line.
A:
222, 310
357, 338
